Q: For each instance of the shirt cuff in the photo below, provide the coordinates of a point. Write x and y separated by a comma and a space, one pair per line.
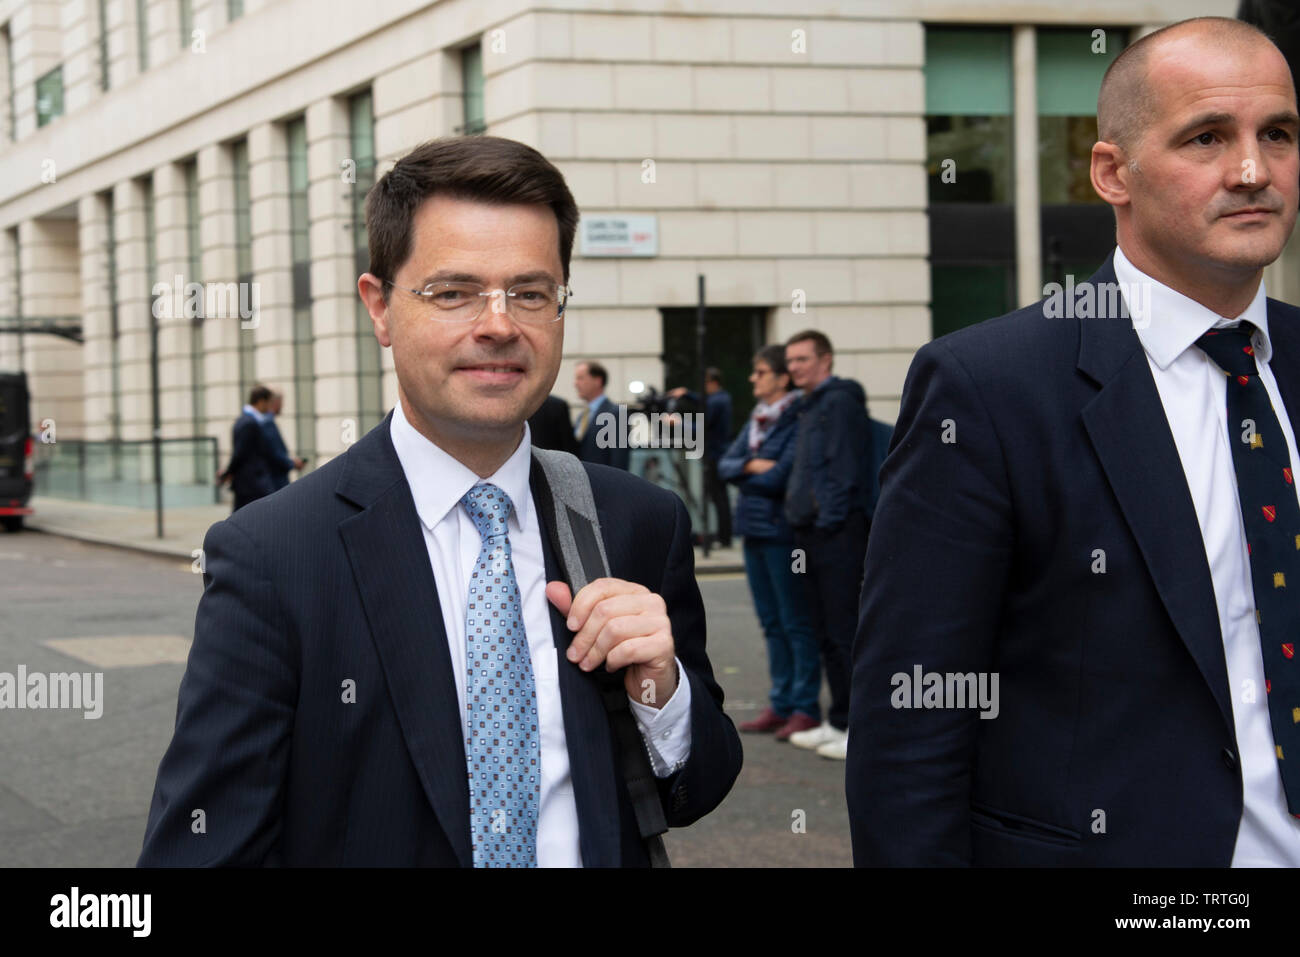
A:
666, 731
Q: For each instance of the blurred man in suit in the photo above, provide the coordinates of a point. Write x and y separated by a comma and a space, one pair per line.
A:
388, 667
602, 436
283, 462
250, 471
1076, 644
717, 438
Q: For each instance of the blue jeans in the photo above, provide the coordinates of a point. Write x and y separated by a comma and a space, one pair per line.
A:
794, 661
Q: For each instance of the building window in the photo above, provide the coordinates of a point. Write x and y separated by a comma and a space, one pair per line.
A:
304, 377
194, 267
361, 135
187, 23
471, 75
1078, 227
968, 94
9, 67
103, 46
142, 32
49, 96
17, 265
234, 9
243, 262
114, 324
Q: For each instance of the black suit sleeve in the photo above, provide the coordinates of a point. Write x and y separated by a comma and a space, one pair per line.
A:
715, 757
229, 753
936, 570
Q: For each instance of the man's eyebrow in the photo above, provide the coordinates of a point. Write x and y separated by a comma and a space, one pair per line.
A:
1205, 119
1286, 118
449, 275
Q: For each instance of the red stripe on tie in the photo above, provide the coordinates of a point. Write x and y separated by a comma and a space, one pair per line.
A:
1243, 379
1270, 512
1288, 649
1248, 350
1286, 474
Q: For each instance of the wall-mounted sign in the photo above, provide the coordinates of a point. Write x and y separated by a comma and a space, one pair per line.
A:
620, 236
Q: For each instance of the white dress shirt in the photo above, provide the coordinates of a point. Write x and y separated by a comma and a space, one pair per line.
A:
1194, 393
438, 482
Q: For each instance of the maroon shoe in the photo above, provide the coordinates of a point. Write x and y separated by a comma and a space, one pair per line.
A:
798, 722
769, 720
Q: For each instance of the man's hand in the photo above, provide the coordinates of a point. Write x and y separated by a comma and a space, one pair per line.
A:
622, 624
299, 463
758, 466
223, 478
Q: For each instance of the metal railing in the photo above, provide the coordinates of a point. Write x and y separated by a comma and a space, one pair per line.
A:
121, 472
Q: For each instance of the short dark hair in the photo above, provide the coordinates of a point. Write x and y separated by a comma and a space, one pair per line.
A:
257, 394
821, 344
596, 370
488, 169
713, 374
773, 357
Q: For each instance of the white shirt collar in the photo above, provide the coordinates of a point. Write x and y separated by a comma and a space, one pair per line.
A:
260, 416
1177, 321
438, 481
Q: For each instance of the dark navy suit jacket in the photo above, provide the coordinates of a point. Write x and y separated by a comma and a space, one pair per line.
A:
1115, 743
251, 460
328, 583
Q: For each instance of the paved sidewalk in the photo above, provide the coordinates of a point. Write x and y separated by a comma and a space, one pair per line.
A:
184, 529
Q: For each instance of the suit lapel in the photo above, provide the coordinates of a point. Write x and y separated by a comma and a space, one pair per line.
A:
390, 562
1127, 426
586, 726
1285, 362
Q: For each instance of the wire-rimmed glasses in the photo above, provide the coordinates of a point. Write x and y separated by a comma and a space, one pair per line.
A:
536, 302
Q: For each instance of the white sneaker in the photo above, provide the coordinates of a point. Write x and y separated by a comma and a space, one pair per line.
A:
836, 750
814, 738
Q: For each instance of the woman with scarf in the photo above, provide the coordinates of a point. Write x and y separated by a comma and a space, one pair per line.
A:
758, 463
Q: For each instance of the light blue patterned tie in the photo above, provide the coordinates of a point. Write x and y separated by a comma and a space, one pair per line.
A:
502, 745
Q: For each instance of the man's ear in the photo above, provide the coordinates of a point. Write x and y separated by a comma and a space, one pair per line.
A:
1110, 173
371, 290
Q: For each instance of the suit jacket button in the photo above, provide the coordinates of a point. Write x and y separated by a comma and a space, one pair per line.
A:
1229, 759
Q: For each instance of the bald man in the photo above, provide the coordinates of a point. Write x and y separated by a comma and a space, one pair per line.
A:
1076, 641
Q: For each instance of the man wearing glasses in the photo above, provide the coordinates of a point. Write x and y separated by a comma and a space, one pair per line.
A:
387, 667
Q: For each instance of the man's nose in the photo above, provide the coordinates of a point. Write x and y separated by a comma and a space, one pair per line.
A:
494, 321
1251, 172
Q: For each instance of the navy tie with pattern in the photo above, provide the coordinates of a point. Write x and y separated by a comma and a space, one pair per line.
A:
502, 746
1271, 515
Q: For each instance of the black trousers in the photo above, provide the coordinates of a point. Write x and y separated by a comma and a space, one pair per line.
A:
833, 580
715, 491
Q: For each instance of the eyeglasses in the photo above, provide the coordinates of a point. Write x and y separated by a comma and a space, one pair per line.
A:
534, 303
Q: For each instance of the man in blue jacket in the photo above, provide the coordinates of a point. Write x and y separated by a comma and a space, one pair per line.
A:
282, 462
825, 502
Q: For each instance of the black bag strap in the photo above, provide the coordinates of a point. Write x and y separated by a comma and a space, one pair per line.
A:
568, 513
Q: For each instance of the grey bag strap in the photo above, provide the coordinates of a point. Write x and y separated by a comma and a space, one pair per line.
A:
570, 517
582, 550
